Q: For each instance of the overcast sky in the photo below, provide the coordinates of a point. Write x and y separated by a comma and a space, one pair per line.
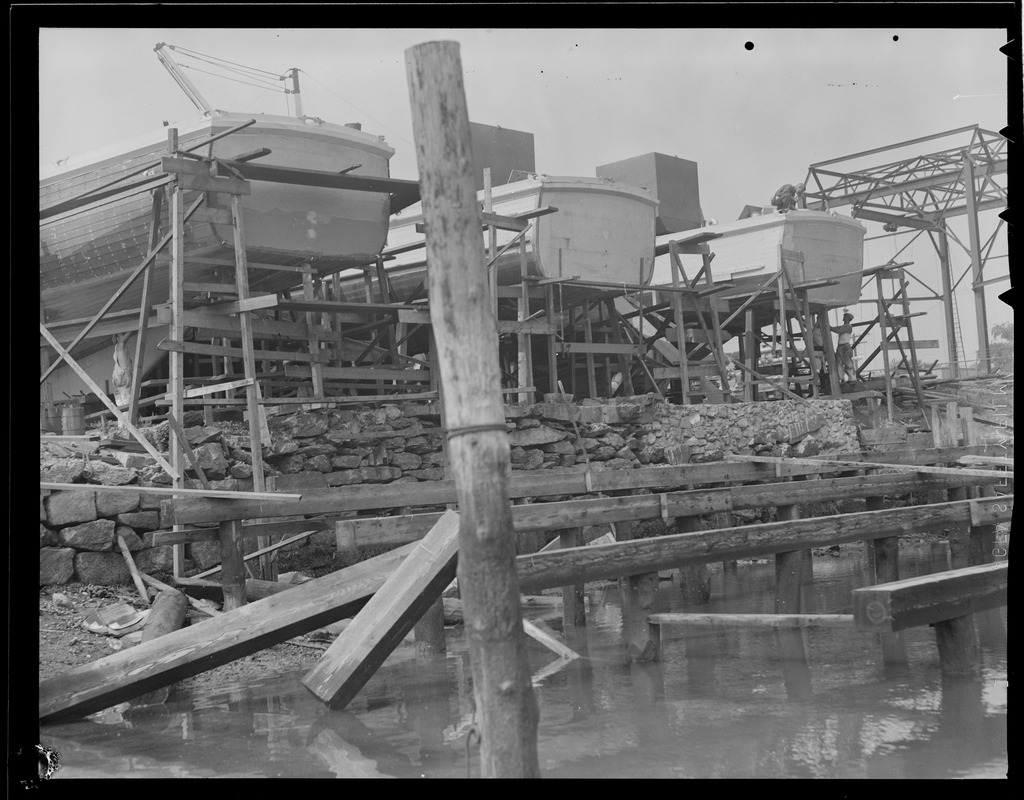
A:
753, 108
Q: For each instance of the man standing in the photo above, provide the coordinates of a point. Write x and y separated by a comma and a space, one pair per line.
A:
844, 349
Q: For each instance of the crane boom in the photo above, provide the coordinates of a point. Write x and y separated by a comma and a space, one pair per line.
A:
186, 85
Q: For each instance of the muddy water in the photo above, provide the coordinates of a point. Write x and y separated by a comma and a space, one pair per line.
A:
720, 703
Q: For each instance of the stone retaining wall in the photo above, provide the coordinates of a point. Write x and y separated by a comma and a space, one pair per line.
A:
393, 444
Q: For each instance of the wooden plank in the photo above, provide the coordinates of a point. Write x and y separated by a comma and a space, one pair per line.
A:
199, 348
130, 562
172, 421
559, 568
385, 620
214, 642
920, 344
367, 532
199, 391
599, 348
121, 417
212, 288
257, 303
362, 373
538, 634
755, 620
546, 483
872, 465
929, 599
189, 535
212, 494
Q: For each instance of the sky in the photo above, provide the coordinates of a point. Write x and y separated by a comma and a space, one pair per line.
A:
752, 107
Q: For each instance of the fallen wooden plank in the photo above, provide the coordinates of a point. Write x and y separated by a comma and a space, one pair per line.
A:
567, 567
229, 636
385, 620
929, 599
755, 620
537, 633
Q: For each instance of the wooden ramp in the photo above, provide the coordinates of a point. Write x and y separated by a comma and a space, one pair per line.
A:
378, 629
229, 636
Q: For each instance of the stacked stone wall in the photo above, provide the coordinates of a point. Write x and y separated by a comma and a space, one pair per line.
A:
394, 444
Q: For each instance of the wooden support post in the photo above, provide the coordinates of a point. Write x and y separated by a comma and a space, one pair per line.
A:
695, 578
549, 300
882, 312
477, 438
959, 650
232, 565
812, 357
142, 335
788, 568
588, 333
637, 593
574, 611
830, 356
780, 285
885, 568
268, 568
312, 324
677, 314
525, 371
625, 361
984, 547
492, 243
176, 333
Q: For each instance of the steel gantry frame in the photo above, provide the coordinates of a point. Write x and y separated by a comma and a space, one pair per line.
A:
923, 192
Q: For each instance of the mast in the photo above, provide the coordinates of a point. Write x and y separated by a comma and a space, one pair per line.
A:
186, 85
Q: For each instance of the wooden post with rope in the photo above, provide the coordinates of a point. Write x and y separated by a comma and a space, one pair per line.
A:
467, 354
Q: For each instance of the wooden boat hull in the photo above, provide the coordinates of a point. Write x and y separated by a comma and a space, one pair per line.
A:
603, 231
748, 251
86, 256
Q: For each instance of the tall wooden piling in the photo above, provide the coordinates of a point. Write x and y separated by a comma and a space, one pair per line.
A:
467, 354
789, 588
885, 568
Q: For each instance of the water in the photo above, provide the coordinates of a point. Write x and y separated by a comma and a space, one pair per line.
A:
721, 703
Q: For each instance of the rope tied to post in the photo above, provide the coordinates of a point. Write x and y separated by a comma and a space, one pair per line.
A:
490, 426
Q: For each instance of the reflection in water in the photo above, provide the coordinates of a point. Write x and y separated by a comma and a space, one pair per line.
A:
723, 701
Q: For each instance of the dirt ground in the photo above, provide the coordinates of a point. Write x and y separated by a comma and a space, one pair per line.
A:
65, 643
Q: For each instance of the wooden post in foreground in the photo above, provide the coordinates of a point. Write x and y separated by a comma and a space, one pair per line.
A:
467, 355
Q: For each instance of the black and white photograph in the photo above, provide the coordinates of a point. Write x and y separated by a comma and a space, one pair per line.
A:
522, 401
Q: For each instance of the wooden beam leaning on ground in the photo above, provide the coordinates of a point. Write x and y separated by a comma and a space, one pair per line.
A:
225, 638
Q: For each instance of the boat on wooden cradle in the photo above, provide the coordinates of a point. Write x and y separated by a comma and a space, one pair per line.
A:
591, 229
92, 252
748, 252
320, 195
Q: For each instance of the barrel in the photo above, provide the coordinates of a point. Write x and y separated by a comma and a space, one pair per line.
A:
49, 421
73, 419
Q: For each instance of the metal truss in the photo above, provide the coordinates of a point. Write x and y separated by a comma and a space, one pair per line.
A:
922, 193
